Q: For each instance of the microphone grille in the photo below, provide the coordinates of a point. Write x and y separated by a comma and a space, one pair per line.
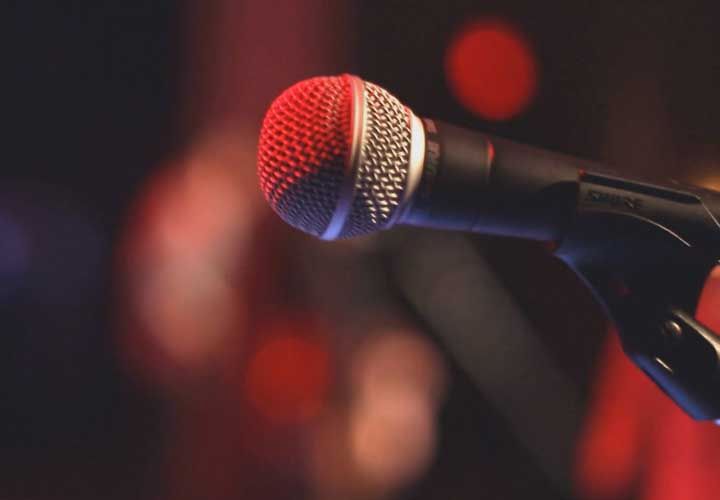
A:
334, 155
385, 158
303, 148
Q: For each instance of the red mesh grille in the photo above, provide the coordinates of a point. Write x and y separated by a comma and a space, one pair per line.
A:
303, 148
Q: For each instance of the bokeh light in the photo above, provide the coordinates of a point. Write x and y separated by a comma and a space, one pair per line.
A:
187, 311
14, 254
397, 362
393, 439
52, 278
381, 435
50, 247
492, 69
51, 251
398, 381
288, 377
704, 173
184, 252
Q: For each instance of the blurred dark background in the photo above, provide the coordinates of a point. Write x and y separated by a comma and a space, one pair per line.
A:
163, 336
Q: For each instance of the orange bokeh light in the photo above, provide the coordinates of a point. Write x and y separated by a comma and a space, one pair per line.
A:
288, 378
491, 69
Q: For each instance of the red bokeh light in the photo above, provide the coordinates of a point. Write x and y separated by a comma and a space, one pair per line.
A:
288, 378
491, 69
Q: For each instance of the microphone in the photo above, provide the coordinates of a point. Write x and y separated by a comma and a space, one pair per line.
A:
339, 157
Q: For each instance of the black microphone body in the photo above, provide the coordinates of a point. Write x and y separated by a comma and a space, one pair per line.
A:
479, 183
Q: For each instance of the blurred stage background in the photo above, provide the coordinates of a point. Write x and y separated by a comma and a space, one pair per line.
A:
165, 337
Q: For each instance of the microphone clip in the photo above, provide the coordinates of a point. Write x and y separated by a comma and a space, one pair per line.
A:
647, 262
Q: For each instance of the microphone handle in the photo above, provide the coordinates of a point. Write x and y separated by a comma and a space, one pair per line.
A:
475, 182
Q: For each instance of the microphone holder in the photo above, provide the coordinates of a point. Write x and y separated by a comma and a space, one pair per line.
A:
646, 251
